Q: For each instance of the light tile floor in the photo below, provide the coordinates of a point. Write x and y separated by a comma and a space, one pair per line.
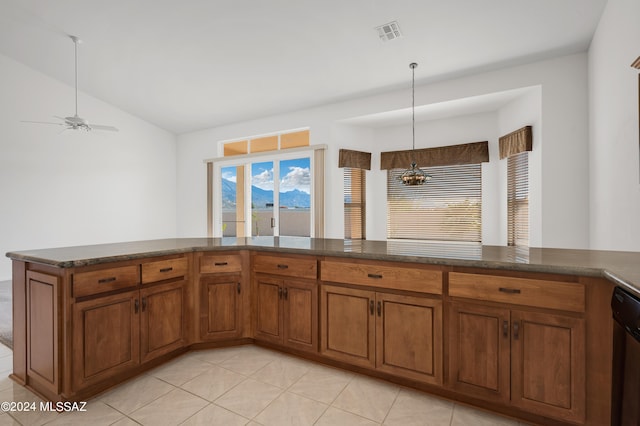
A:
248, 385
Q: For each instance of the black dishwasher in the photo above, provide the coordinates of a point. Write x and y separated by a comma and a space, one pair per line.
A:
626, 358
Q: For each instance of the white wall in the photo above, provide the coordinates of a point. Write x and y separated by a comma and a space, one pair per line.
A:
563, 221
75, 188
613, 125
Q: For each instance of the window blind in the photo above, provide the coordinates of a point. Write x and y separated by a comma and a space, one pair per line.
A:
518, 199
447, 208
354, 203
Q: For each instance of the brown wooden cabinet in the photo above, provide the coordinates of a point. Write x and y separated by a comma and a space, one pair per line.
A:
221, 296
287, 312
397, 334
114, 329
532, 360
162, 319
530, 345
286, 300
220, 306
480, 350
348, 327
106, 337
548, 364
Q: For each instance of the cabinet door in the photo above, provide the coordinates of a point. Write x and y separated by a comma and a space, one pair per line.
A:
301, 315
269, 309
162, 324
220, 307
479, 339
409, 337
106, 338
548, 364
348, 325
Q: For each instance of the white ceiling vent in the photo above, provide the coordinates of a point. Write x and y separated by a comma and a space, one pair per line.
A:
389, 31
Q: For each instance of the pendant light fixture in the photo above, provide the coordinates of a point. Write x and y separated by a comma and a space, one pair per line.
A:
414, 175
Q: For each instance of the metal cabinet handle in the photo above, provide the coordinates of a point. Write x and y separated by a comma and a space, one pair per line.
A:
505, 328
238, 286
509, 290
280, 292
516, 330
220, 263
281, 266
136, 306
106, 280
379, 309
376, 276
286, 293
371, 308
144, 304
169, 269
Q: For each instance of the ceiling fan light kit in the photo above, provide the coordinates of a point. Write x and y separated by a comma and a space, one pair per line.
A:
76, 122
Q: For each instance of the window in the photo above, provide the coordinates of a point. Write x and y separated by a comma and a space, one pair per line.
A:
256, 204
269, 185
354, 203
518, 199
273, 142
447, 208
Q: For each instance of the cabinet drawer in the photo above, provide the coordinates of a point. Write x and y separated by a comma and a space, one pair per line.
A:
519, 291
103, 280
164, 269
391, 277
220, 263
289, 266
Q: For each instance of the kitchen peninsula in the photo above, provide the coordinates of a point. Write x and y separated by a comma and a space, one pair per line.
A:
527, 333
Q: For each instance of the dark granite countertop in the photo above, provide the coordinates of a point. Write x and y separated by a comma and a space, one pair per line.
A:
623, 268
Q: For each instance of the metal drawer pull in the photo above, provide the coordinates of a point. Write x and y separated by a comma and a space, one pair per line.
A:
376, 276
220, 264
509, 290
166, 269
281, 266
106, 280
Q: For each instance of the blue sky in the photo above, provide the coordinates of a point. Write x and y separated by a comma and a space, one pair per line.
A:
294, 174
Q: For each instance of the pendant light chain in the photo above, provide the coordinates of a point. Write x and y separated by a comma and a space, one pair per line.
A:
413, 106
413, 175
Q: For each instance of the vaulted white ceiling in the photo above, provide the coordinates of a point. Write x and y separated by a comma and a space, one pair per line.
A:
185, 65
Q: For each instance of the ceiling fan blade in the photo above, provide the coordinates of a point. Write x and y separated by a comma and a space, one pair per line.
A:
101, 127
42, 122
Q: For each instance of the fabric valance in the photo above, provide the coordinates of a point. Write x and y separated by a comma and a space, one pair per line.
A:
354, 159
516, 142
470, 153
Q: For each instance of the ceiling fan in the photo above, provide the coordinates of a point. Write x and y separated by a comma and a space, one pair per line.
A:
76, 122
